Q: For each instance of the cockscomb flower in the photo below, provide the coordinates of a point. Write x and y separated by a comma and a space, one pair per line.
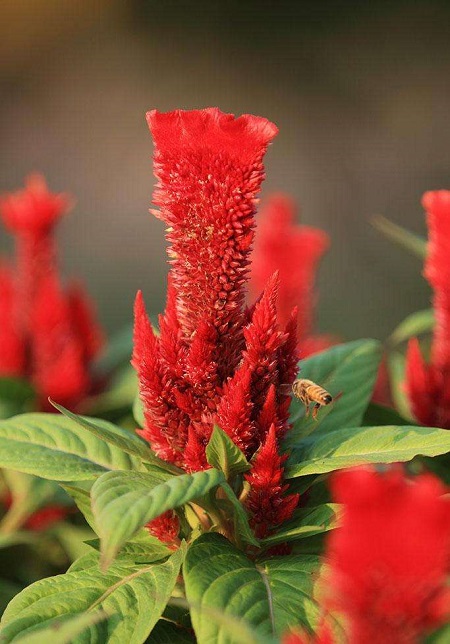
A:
214, 361
295, 251
389, 560
48, 332
428, 385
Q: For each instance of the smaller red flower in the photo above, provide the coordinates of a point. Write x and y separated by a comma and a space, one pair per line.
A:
295, 252
267, 503
428, 385
48, 333
389, 560
165, 528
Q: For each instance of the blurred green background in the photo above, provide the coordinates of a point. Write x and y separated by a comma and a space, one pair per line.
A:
360, 91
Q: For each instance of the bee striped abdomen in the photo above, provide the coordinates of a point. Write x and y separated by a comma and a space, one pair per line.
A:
309, 392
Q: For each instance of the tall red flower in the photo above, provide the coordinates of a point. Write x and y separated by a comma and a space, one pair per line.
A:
213, 361
428, 385
295, 251
389, 560
48, 333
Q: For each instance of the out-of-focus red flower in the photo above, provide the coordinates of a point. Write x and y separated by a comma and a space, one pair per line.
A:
42, 518
389, 560
48, 333
428, 385
213, 362
295, 251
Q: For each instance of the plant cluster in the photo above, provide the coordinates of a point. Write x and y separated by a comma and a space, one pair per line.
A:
230, 514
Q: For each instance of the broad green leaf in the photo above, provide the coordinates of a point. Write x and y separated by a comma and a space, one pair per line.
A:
63, 631
347, 369
224, 455
355, 446
396, 368
82, 499
122, 504
145, 551
269, 596
104, 430
16, 396
442, 636
305, 523
400, 236
133, 598
415, 324
55, 447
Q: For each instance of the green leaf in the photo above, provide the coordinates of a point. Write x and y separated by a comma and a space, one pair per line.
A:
269, 596
16, 397
55, 447
106, 431
82, 499
396, 368
415, 324
400, 236
348, 369
224, 455
133, 598
305, 523
145, 551
124, 503
63, 631
355, 446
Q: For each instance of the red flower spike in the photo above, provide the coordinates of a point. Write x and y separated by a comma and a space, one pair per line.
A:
263, 339
213, 362
209, 167
389, 560
58, 364
84, 321
12, 353
429, 388
165, 528
266, 501
235, 410
164, 428
295, 251
50, 334
33, 211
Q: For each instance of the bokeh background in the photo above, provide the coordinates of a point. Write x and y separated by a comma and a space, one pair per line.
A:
360, 91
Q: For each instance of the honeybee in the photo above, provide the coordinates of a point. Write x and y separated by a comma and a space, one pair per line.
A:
308, 392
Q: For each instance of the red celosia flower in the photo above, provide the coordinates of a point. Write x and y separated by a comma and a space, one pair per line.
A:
295, 251
165, 528
48, 334
42, 518
213, 362
428, 385
389, 560
266, 501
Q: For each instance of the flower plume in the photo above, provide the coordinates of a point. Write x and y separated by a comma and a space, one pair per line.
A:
213, 361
